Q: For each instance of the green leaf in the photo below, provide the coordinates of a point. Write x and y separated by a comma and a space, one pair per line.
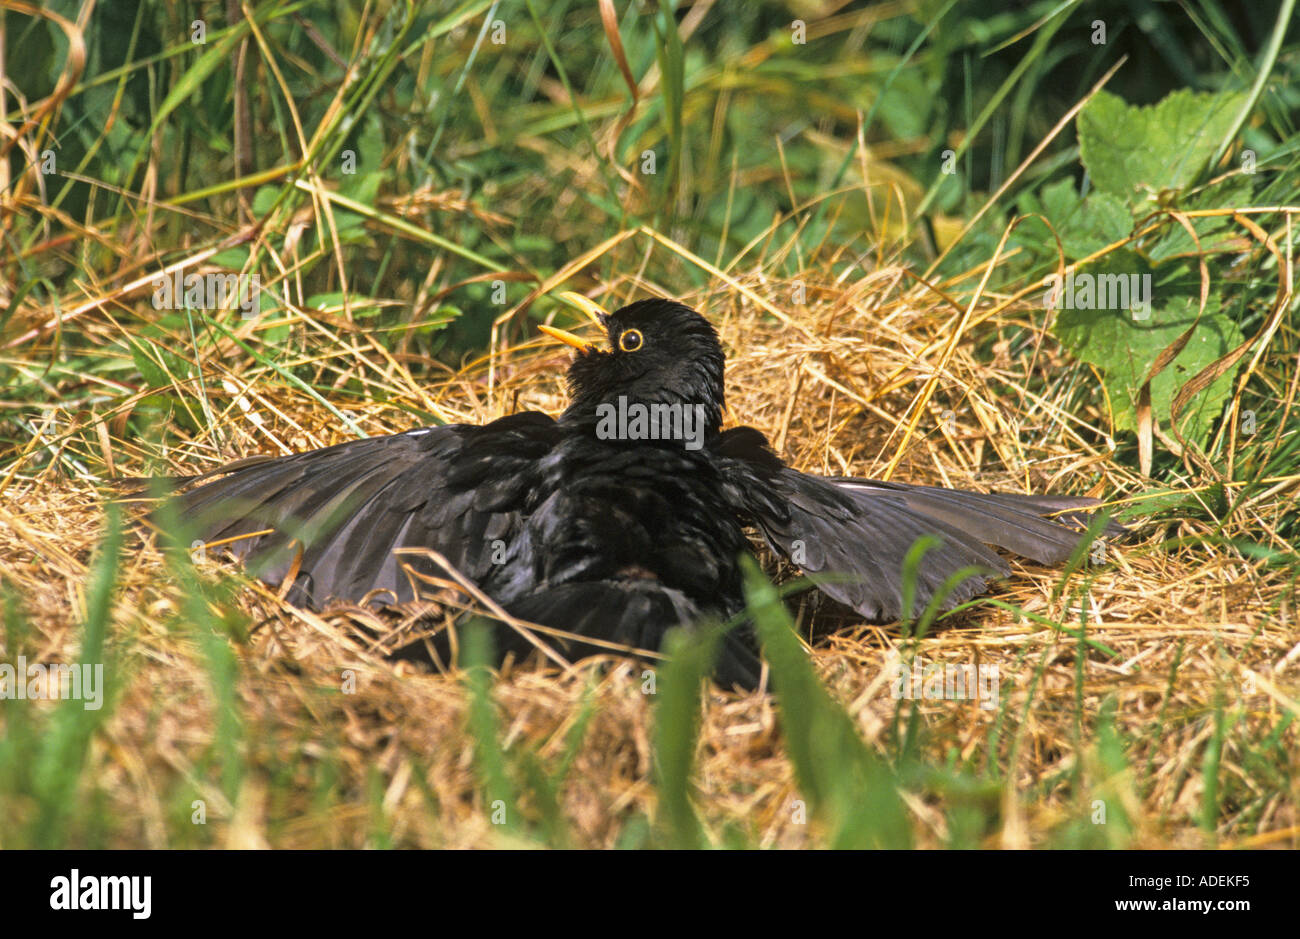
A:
232, 259
362, 188
1212, 231
1084, 226
1123, 345
263, 199
153, 373
1136, 153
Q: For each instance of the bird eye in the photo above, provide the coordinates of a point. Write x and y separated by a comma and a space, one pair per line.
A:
630, 340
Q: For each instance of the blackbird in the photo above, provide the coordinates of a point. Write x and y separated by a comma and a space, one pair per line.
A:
623, 517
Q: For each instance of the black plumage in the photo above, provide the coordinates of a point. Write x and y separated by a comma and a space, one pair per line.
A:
603, 536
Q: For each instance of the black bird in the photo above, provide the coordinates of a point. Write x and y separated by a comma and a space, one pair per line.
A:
624, 517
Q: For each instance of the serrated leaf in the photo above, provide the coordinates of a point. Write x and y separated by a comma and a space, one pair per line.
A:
1109, 220
1136, 153
1212, 230
1123, 347
1084, 226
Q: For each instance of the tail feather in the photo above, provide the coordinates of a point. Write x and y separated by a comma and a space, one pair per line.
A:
633, 614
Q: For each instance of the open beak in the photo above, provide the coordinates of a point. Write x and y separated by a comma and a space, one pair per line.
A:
592, 310
568, 338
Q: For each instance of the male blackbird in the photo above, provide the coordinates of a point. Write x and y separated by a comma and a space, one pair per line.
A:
618, 520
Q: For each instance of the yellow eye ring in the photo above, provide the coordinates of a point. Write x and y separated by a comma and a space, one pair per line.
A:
630, 340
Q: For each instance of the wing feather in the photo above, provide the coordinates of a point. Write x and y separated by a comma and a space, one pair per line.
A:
347, 508
859, 531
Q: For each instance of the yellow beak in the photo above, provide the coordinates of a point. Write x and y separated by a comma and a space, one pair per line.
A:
568, 338
593, 310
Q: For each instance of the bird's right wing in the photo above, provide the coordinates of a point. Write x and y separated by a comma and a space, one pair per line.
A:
336, 515
858, 532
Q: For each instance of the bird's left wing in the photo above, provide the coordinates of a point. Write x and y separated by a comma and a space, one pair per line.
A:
857, 532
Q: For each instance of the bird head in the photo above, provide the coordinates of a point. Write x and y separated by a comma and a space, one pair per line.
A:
656, 352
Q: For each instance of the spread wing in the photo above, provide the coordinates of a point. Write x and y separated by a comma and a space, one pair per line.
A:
478, 495
457, 489
859, 531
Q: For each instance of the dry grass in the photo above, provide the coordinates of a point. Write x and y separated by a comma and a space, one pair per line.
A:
1197, 629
